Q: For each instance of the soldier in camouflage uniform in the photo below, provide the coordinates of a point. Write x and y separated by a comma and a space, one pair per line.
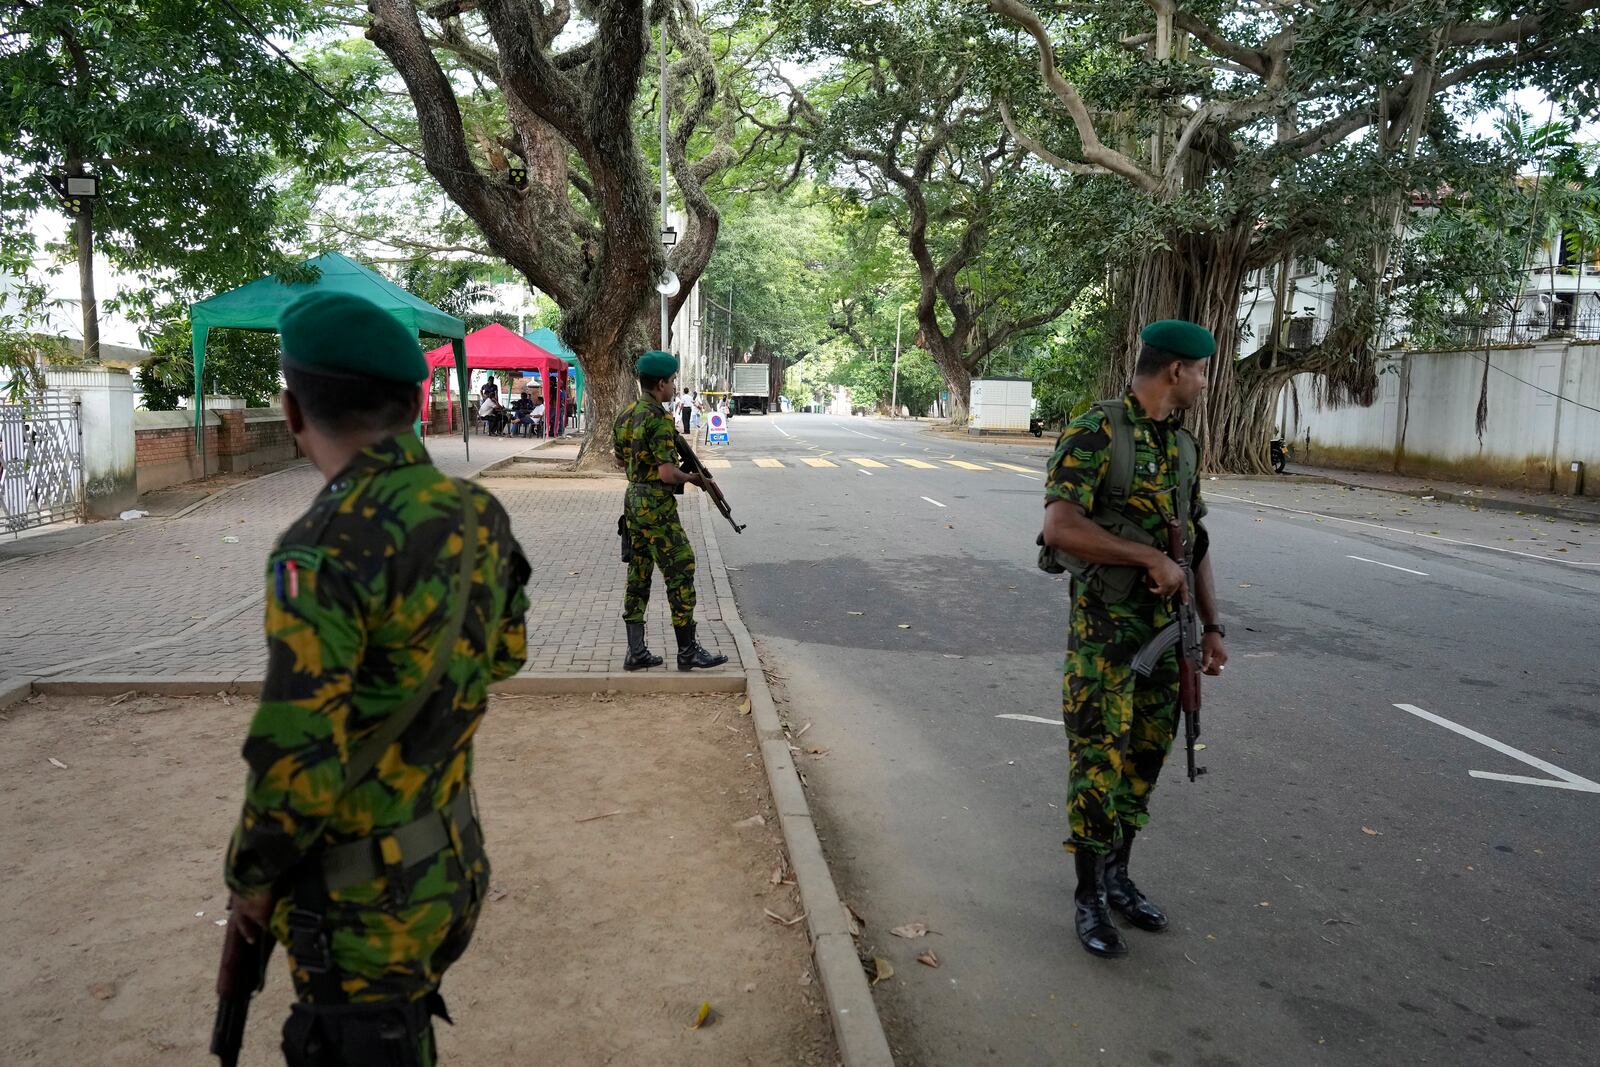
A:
1119, 726
645, 441
372, 881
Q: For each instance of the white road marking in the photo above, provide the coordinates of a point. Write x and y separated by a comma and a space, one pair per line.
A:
781, 430
1031, 718
1391, 566
858, 433
860, 471
1031, 477
1397, 530
1568, 779
934, 502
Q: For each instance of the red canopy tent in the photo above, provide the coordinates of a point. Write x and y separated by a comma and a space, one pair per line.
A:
496, 348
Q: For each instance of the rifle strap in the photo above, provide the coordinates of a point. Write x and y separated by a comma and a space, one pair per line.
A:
366, 757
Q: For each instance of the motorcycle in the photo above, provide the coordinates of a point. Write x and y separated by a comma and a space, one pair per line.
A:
1280, 455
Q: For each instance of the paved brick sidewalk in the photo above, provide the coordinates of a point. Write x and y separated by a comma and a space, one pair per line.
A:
168, 598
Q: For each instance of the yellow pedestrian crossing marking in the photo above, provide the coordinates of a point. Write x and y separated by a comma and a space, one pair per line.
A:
767, 461
811, 462
1014, 467
917, 463
863, 462
718, 464
964, 465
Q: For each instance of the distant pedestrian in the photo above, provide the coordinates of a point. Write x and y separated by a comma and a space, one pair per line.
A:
1112, 538
645, 446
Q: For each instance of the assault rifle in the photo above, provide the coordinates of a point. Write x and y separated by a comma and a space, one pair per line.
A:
241, 976
691, 464
1184, 632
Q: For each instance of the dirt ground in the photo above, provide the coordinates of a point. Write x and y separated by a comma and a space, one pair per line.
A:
623, 894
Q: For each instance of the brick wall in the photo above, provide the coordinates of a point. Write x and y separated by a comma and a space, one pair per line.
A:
235, 441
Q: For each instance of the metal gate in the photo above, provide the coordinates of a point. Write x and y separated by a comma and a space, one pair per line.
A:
41, 461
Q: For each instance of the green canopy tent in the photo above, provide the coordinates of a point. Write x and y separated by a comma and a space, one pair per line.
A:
257, 306
546, 339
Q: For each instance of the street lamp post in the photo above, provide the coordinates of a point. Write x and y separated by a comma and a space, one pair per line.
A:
894, 389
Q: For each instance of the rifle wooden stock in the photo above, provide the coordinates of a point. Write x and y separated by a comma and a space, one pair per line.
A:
1190, 654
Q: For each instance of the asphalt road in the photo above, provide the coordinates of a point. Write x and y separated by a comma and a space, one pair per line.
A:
1343, 890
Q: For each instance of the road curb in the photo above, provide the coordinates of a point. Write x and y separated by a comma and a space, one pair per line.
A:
856, 1025
14, 691
247, 683
1489, 503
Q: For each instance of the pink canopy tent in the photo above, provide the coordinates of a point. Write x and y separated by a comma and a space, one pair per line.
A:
496, 348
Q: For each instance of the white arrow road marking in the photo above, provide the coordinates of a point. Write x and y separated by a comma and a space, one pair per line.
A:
934, 502
1568, 779
1391, 566
1031, 718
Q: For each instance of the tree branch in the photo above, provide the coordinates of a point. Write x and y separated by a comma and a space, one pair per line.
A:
1094, 151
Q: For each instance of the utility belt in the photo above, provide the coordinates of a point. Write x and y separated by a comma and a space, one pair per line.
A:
390, 855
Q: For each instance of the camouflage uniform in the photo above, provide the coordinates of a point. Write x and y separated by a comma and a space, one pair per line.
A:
358, 592
644, 439
1119, 726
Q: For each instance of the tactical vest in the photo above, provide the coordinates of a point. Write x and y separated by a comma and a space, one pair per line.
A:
1109, 581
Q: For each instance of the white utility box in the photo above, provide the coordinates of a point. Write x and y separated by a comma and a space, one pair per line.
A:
1000, 405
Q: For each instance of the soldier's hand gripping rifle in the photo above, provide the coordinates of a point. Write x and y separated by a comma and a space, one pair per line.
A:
690, 463
1185, 633
242, 974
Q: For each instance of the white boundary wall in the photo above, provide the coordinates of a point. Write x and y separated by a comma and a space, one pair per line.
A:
1544, 414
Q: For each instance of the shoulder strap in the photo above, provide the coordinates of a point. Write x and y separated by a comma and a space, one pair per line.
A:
1188, 469
1119, 480
367, 756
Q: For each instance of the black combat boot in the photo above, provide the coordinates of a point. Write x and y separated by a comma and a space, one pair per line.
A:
1095, 929
690, 654
1124, 896
639, 657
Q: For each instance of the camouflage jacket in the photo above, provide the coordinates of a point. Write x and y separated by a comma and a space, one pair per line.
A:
358, 591
1082, 461
644, 438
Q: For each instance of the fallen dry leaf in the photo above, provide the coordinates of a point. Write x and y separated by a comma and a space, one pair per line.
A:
102, 991
815, 751
904, 625
704, 1017
805, 977
57, 763
852, 921
776, 877
910, 930
120, 697
779, 919
744, 706
882, 969
750, 823
496, 893
855, 613
1370, 832
928, 958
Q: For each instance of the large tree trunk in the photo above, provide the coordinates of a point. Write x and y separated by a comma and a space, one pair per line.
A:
1199, 279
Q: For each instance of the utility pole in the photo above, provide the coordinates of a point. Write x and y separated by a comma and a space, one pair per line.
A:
894, 390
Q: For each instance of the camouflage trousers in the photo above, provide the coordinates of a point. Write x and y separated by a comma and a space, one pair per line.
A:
389, 942
657, 540
1120, 726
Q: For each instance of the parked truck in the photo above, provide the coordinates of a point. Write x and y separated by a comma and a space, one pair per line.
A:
752, 388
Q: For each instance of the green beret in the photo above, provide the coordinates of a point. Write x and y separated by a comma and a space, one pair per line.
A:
1183, 339
657, 364
347, 336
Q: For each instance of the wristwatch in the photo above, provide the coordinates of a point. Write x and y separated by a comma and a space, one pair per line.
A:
1215, 628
